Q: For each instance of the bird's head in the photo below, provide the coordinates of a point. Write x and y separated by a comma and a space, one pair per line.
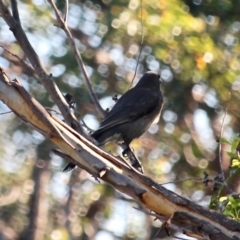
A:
149, 80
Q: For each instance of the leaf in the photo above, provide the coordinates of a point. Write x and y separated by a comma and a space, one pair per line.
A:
214, 203
224, 140
232, 155
235, 202
235, 163
221, 199
234, 144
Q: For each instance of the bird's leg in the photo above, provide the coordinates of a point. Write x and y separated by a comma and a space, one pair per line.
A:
128, 152
125, 151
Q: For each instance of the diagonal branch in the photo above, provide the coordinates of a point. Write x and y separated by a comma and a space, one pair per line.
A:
141, 44
181, 214
65, 16
17, 61
220, 152
82, 68
62, 23
44, 77
15, 12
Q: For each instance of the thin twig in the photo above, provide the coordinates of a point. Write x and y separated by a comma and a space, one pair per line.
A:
78, 58
44, 77
220, 150
86, 126
13, 54
53, 110
83, 123
65, 16
5, 112
18, 58
220, 145
15, 11
214, 181
183, 180
141, 45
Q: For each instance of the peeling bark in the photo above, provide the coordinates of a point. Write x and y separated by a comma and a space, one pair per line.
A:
177, 212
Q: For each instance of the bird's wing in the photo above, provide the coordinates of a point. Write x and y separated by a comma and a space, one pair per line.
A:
134, 104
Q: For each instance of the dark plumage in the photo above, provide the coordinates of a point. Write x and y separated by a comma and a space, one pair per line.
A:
133, 113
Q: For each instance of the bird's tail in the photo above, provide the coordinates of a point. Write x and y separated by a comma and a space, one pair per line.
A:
102, 136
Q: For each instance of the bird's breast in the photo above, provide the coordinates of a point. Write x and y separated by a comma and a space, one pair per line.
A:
158, 113
156, 120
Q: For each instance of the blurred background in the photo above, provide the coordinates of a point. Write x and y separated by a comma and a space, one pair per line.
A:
193, 44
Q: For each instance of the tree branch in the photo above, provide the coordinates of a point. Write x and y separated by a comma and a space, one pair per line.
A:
18, 61
220, 152
82, 68
15, 11
62, 23
45, 78
181, 214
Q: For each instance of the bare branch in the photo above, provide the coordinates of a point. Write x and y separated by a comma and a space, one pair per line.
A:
66, 11
18, 61
13, 54
81, 66
181, 214
15, 11
141, 44
45, 78
5, 112
185, 180
86, 126
133, 158
220, 152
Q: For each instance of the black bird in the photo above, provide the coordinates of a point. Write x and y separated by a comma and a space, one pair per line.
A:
133, 113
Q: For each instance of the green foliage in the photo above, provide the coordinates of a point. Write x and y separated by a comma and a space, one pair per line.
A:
229, 205
232, 208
